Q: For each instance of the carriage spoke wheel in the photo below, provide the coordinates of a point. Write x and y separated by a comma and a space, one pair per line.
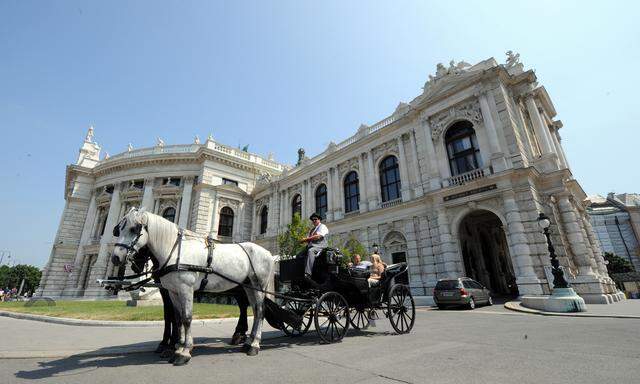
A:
401, 309
331, 317
358, 317
301, 309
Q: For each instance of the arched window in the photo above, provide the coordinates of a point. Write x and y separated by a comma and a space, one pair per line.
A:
321, 200
264, 216
225, 227
296, 206
462, 148
389, 179
351, 192
169, 214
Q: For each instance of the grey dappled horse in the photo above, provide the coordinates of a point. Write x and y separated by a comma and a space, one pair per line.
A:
256, 267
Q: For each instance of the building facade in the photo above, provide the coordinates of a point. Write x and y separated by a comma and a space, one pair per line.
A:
616, 222
452, 183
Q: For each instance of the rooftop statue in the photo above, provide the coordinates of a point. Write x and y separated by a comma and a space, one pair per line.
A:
89, 137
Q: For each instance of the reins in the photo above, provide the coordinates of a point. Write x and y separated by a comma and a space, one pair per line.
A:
157, 273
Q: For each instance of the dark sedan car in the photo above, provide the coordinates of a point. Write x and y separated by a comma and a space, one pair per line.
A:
461, 291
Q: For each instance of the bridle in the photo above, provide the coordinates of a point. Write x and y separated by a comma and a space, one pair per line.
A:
131, 249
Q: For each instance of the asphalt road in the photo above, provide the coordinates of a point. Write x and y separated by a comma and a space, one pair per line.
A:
488, 345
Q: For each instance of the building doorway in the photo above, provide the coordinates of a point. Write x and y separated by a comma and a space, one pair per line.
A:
485, 253
400, 257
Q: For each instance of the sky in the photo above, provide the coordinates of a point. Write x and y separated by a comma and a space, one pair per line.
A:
279, 75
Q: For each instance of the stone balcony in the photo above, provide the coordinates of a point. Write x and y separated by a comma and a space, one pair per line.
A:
467, 177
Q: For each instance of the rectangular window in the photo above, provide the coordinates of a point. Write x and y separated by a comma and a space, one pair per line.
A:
172, 181
229, 181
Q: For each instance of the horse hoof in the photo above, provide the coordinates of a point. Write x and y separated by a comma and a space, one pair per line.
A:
253, 351
161, 347
168, 352
245, 347
181, 360
238, 338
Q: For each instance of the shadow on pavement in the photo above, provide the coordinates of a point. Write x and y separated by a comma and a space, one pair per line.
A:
140, 354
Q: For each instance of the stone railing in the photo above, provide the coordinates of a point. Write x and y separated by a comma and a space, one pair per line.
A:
364, 131
391, 203
192, 148
466, 177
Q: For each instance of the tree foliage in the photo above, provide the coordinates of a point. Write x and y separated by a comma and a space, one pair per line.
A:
617, 264
352, 247
289, 241
11, 277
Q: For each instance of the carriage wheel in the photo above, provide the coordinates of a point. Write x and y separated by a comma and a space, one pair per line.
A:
301, 309
358, 317
401, 309
331, 317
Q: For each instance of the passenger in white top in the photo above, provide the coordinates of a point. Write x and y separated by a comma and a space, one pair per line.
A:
316, 242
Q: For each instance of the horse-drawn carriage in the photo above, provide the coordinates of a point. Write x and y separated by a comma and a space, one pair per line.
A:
337, 297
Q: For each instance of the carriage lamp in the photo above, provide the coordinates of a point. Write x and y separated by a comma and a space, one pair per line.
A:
558, 276
375, 248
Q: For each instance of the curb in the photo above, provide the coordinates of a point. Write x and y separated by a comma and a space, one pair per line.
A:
517, 307
105, 323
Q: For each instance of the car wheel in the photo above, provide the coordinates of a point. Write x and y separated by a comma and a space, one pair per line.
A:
440, 306
490, 301
472, 303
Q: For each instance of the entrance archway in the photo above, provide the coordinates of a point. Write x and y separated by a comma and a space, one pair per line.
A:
485, 253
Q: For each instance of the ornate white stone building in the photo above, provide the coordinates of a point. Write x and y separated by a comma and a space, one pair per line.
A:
452, 182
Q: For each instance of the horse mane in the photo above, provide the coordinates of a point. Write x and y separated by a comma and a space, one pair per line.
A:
162, 233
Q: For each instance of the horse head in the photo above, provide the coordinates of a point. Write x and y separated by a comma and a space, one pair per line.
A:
132, 235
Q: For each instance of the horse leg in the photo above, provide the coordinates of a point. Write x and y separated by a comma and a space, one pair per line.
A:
168, 322
186, 313
179, 334
240, 334
252, 344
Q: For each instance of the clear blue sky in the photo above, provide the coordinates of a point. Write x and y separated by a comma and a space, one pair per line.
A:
257, 72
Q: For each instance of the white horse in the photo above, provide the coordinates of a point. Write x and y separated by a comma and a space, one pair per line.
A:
244, 263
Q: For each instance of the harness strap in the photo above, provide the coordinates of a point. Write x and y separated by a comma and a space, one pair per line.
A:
210, 246
163, 269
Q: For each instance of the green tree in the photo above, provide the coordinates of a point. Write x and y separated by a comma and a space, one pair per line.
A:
617, 264
15, 274
352, 247
4, 276
289, 241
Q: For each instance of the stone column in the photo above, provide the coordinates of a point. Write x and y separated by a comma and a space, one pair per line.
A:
538, 125
215, 217
574, 235
417, 182
448, 249
372, 192
405, 184
186, 202
595, 247
305, 199
498, 161
147, 195
331, 196
72, 281
238, 222
100, 268
339, 211
556, 143
362, 184
527, 280
432, 162
286, 210
282, 207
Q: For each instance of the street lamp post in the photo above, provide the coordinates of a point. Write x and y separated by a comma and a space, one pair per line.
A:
563, 298
375, 248
558, 276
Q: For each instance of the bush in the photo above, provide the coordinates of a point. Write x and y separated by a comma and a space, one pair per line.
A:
616, 264
352, 247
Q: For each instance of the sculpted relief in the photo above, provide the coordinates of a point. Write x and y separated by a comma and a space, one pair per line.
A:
467, 111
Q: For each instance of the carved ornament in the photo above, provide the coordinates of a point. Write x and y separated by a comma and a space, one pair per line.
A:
467, 111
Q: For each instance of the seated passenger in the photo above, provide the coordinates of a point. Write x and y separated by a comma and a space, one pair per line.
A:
377, 267
358, 263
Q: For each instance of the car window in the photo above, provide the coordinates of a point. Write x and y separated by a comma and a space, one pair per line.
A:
467, 284
447, 284
476, 285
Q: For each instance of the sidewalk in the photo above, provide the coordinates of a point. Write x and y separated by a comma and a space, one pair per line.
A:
626, 309
37, 339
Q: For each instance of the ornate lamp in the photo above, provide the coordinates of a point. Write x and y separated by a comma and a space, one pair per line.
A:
375, 248
558, 276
